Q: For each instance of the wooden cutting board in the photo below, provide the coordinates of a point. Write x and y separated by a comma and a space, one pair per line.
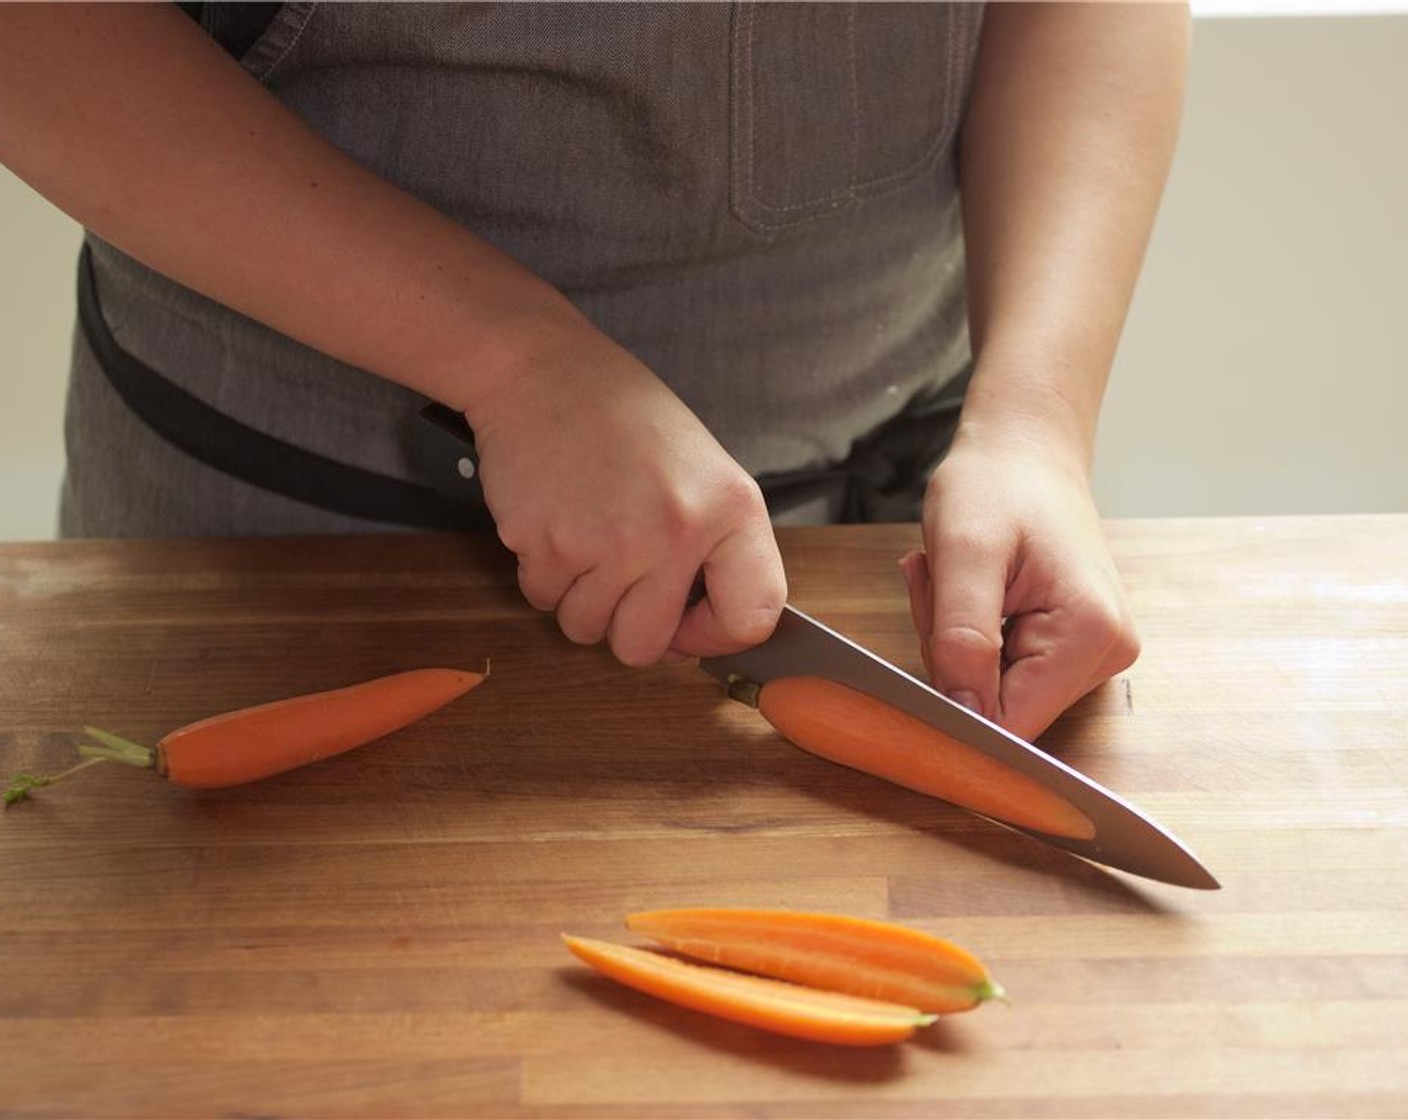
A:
378, 935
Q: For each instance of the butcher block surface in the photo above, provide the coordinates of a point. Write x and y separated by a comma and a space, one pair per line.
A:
377, 935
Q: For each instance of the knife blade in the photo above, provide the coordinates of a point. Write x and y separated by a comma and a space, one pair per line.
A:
1124, 837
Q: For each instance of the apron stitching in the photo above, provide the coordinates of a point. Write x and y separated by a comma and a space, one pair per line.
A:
942, 133
742, 172
745, 177
830, 201
309, 10
854, 171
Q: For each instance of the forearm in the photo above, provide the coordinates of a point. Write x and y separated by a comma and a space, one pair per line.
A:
137, 125
1066, 147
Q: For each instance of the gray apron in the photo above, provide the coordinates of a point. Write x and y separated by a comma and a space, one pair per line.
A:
758, 200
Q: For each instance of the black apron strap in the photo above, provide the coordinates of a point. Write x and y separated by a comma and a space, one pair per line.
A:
233, 448
887, 472
882, 480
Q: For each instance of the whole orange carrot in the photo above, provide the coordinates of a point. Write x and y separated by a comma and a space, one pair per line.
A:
243, 746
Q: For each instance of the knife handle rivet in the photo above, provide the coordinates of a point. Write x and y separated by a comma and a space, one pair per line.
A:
466, 467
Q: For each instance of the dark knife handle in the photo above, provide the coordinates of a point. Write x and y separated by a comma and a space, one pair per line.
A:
442, 447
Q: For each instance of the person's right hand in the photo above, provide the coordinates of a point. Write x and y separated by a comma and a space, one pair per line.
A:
614, 497
611, 492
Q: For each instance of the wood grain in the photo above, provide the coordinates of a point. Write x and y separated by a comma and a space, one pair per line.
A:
377, 935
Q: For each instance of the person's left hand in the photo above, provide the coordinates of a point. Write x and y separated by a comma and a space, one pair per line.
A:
1016, 601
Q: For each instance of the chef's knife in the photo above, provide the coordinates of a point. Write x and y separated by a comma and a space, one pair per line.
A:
1123, 838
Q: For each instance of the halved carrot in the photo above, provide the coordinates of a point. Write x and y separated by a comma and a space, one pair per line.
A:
252, 743
858, 956
855, 729
772, 1005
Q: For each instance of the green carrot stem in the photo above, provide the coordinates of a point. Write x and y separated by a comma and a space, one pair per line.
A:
22, 784
115, 748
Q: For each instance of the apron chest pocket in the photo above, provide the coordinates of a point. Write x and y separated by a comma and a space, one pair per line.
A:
832, 104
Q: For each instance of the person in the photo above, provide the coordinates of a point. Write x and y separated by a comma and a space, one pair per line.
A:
686, 271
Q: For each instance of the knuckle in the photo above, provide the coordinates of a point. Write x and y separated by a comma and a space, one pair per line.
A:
539, 598
962, 642
578, 631
678, 518
731, 498
967, 537
774, 597
754, 625
581, 617
1100, 629
1109, 623
513, 534
1106, 619
1126, 649
563, 547
741, 493
684, 523
633, 654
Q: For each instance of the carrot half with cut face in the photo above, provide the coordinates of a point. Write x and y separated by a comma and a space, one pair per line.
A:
252, 743
857, 956
756, 1001
855, 729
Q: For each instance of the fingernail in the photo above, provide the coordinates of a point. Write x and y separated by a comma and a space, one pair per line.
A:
968, 699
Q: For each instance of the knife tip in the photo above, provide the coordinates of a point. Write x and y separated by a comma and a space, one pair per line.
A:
1190, 873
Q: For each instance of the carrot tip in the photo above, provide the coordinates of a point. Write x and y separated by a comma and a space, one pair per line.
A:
992, 990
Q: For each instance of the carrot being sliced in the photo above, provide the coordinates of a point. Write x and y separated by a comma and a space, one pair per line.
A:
857, 956
850, 727
756, 1001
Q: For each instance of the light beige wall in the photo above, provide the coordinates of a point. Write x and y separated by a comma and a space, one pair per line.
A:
1263, 369
37, 249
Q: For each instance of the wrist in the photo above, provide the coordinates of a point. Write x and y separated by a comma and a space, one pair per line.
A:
1024, 408
483, 336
